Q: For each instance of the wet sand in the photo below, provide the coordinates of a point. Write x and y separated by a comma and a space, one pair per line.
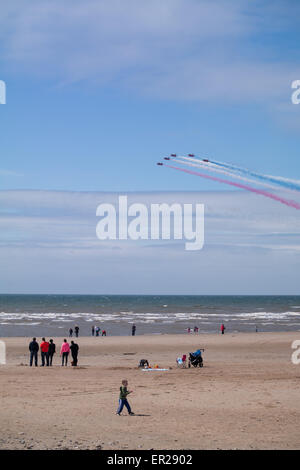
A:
245, 397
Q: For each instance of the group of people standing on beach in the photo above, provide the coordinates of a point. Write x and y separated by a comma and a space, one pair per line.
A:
96, 331
48, 349
76, 330
196, 329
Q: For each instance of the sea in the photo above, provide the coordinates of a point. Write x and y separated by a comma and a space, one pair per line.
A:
54, 315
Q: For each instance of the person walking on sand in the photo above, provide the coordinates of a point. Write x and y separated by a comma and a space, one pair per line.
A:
123, 398
76, 331
133, 329
93, 331
223, 328
34, 348
44, 352
74, 351
97, 330
70, 332
103, 333
64, 352
51, 352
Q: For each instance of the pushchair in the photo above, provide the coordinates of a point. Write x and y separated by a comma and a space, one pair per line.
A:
195, 359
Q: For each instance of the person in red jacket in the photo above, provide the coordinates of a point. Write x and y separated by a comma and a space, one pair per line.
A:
44, 352
222, 328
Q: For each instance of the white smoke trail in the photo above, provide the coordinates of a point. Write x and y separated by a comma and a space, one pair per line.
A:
282, 182
214, 168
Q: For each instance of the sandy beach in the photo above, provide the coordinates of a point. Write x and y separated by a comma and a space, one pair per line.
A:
245, 397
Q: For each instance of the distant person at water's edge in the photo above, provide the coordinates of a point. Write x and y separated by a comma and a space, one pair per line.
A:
133, 329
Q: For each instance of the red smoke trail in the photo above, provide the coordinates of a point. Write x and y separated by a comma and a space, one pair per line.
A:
287, 202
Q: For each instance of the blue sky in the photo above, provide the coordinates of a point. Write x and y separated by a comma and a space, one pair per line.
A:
99, 91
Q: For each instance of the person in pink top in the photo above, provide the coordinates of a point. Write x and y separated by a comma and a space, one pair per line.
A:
64, 352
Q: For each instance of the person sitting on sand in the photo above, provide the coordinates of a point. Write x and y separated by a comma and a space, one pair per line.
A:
123, 398
64, 352
34, 348
51, 352
144, 364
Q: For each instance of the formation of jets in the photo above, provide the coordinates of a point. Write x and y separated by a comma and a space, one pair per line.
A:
175, 155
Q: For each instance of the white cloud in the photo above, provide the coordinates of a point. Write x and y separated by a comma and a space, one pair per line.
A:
48, 244
175, 49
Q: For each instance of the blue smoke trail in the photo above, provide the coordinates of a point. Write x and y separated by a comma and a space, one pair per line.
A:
285, 183
216, 169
